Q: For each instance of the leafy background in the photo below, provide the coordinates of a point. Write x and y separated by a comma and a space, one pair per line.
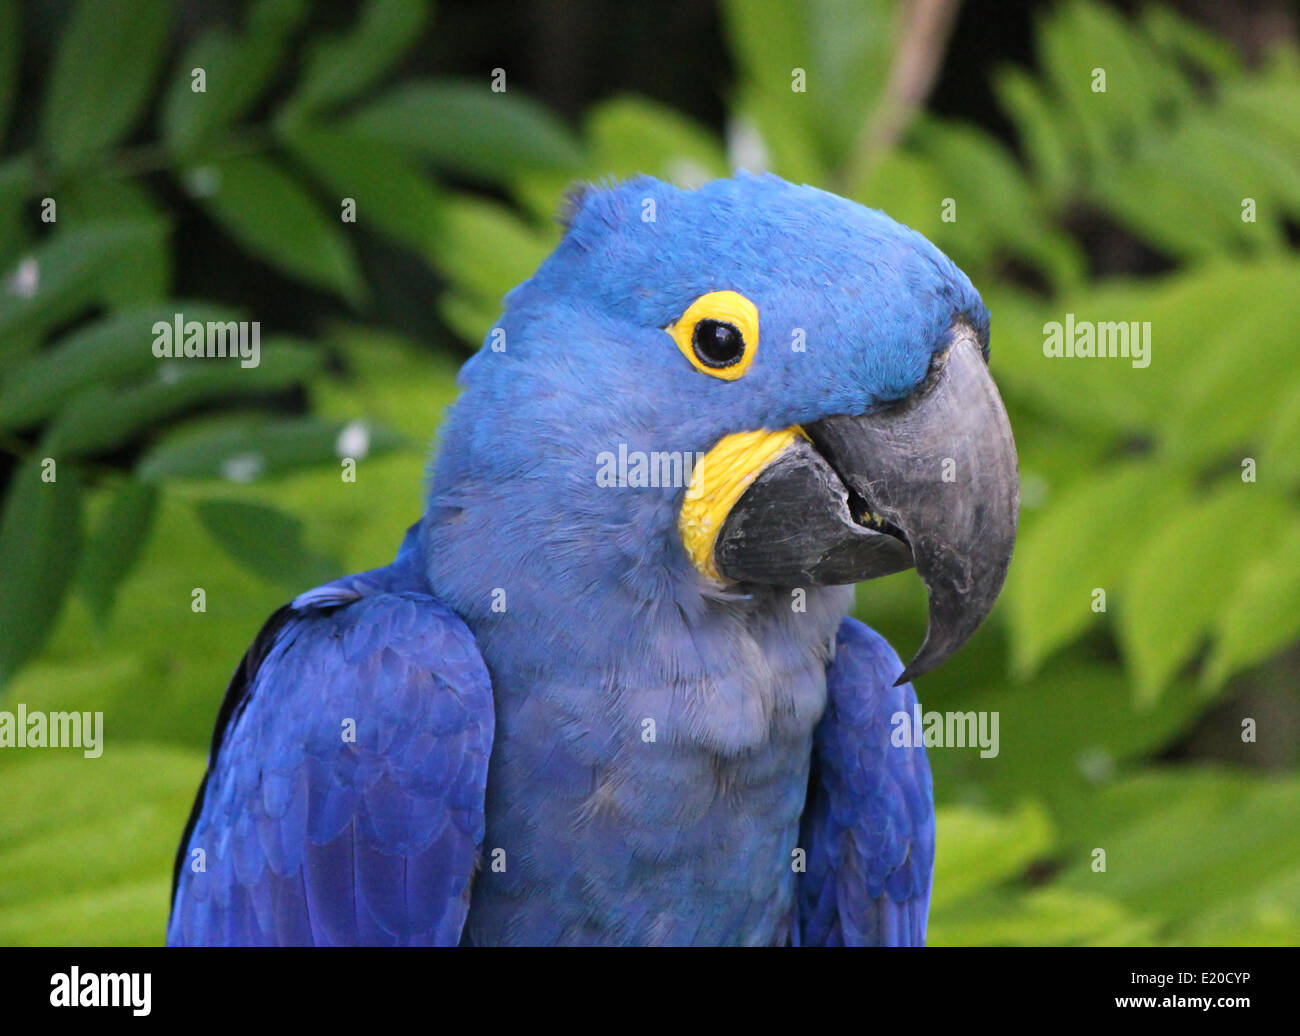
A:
1119, 730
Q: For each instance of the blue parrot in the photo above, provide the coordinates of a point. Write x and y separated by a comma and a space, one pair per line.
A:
608, 692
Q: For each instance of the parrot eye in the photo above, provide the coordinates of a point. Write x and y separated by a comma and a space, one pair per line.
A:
718, 333
717, 343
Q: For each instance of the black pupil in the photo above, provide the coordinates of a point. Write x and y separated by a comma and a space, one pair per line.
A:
718, 343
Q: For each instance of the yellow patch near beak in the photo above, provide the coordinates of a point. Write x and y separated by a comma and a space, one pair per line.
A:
718, 481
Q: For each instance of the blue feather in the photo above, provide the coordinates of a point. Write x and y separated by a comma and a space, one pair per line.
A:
869, 826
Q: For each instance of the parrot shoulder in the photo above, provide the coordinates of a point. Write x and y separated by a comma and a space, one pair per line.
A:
344, 798
868, 825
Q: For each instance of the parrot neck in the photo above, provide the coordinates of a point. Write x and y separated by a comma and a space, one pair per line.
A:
545, 607
646, 726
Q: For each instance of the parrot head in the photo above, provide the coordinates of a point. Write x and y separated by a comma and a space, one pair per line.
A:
749, 384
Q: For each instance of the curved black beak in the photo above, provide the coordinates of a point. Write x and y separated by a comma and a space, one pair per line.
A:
931, 481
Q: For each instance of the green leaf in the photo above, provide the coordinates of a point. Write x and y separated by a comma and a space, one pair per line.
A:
845, 48
98, 199
17, 183
630, 135
1084, 710
1075, 40
187, 670
1043, 132
906, 185
143, 272
116, 544
237, 70
11, 35
467, 128
1187, 844
1266, 106
979, 850
244, 448
1082, 541
40, 538
267, 212
107, 57
388, 188
187, 667
276, 18
104, 417
771, 137
340, 67
1279, 460
266, 542
1263, 616
82, 870
1172, 196
1244, 358
484, 251
71, 271
111, 349
1189, 570
1214, 55
1267, 915
1242, 156
388, 375
1039, 917
627, 136
987, 184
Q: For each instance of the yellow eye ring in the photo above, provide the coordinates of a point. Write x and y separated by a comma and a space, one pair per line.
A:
718, 333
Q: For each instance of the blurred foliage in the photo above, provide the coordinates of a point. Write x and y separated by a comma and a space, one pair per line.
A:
172, 477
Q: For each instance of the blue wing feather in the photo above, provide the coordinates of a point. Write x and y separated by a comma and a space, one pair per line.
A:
868, 828
310, 838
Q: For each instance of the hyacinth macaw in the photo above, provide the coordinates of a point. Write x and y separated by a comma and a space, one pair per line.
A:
595, 703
